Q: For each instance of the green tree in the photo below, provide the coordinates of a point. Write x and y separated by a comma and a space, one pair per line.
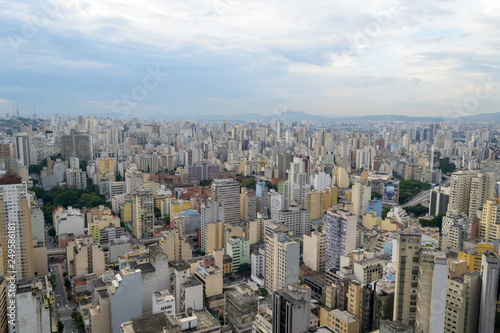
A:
77, 317
437, 221
417, 211
52, 231
375, 195
251, 183
60, 326
157, 212
244, 268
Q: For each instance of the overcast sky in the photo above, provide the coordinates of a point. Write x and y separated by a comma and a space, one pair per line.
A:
234, 56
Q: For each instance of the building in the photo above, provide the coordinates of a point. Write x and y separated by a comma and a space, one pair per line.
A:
211, 213
175, 246
462, 303
15, 223
361, 195
142, 213
77, 145
314, 203
387, 326
412, 171
282, 258
342, 322
407, 259
297, 220
68, 221
254, 230
33, 298
240, 307
77, 178
227, 191
84, 256
262, 194
211, 279
258, 266
340, 236
439, 200
203, 171
469, 191
248, 205
490, 270
489, 226
163, 302
133, 179
368, 270
432, 286
292, 309
314, 250
239, 250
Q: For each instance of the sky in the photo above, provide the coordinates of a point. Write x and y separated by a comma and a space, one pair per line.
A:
158, 58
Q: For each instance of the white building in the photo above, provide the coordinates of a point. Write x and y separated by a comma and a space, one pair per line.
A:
258, 271
69, 221
163, 302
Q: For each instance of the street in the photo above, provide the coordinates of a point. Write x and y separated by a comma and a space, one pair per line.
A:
62, 313
424, 195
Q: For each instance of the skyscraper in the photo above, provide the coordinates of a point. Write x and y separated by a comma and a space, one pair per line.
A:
292, 309
282, 258
15, 226
407, 261
361, 194
340, 236
490, 270
227, 191
142, 213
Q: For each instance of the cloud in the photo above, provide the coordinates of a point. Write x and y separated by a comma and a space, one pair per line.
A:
390, 55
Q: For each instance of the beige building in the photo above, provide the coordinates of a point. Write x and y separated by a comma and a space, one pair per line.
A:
15, 220
314, 250
330, 197
314, 203
248, 205
142, 213
176, 247
354, 298
84, 256
282, 258
462, 303
214, 236
255, 229
211, 278
489, 227
341, 321
368, 270
469, 191
412, 172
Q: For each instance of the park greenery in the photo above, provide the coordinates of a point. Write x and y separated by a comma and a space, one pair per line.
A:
417, 210
410, 188
65, 196
437, 221
445, 166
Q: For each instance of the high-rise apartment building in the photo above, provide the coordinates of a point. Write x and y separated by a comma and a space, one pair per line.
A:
407, 263
78, 145
439, 199
291, 309
227, 191
314, 203
15, 225
490, 271
361, 194
469, 191
142, 213
282, 258
297, 220
489, 226
431, 299
248, 204
314, 250
340, 236
211, 213
462, 303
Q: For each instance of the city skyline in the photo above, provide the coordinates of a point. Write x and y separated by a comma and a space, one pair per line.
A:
230, 57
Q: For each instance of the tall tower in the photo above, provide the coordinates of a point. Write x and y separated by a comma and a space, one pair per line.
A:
15, 226
340, 236
406, 293
142, 213
282, 258
361, 194
490, 270
228, 192
292, 309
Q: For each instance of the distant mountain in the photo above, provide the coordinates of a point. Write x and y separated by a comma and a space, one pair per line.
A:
290, 116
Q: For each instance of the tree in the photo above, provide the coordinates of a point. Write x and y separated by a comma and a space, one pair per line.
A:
60, 326
417, 211
77, 317
375, 195
385, 210
52, 231
251, 183
119, 178
244, 268
157, 212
